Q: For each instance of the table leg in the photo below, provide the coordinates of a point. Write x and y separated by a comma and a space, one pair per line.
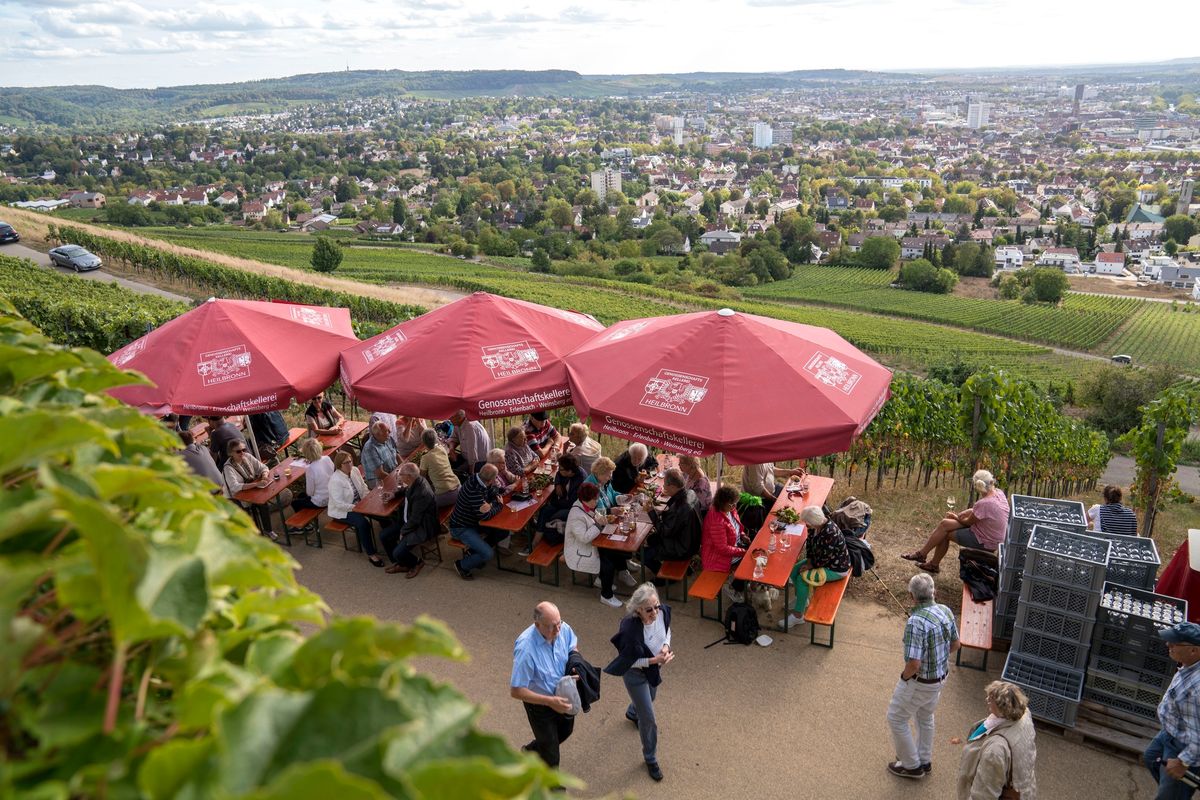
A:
787, 613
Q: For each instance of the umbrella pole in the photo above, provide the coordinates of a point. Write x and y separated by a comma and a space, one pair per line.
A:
720, 468
250, 437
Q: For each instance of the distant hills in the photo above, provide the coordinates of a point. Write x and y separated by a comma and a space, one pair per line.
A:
101, 106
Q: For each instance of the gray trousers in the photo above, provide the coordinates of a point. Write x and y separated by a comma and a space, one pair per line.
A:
642, 695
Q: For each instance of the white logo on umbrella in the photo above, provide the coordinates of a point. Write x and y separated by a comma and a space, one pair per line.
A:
311, 316
833, 372
382, 346
224, 365
514, 358
678, 392
128, 354
628, 330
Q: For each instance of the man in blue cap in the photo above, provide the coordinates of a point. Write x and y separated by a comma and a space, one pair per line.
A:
1177, 746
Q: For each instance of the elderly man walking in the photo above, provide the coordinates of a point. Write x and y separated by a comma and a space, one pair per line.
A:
1176, 748
539, 661
930, 636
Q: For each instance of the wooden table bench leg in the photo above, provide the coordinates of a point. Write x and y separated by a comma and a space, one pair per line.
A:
982, 667
720, 603
812, 635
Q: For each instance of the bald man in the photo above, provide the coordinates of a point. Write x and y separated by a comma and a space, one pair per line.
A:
539, 660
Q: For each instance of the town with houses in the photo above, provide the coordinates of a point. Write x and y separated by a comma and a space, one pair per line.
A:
1093, 179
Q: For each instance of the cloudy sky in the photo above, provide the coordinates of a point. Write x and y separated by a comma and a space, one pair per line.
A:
144, 43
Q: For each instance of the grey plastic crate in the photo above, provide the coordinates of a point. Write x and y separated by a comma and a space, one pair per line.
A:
1067, 652
1123, 636
1071, 627
1070, 599
1069, 559
1006, 604
1122, 704
1051, 708
1010, 579
1154, 681
1014, 556
1132, 561
1140, 611
1004, 627
1046, 510
1135, 658
1132, 691
1044, 676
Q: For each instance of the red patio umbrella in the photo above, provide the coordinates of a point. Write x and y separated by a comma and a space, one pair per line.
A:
236, 357
489, 355
753, 388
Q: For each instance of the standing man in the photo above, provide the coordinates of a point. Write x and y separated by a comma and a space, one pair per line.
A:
469, 444
1176, 748
930, 636
539, 661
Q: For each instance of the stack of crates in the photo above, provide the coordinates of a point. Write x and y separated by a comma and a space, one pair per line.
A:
1024, 513
1129, 668
1133, 561
1060, 593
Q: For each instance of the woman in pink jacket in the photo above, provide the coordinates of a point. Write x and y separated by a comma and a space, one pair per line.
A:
722, 530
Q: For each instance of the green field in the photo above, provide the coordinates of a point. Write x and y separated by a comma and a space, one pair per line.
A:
1082, 322
900, 342
1157, 334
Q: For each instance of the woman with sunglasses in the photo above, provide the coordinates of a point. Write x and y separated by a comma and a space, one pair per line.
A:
643, 647
243, 471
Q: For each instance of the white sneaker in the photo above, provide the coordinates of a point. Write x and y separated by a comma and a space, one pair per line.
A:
626, 577
611, 601
596, 582
505, 543
792, 622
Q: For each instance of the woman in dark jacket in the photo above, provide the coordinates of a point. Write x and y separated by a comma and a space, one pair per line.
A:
826, 559
643, 647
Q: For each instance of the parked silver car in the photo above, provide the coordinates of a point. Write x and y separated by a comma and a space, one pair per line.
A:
72, 256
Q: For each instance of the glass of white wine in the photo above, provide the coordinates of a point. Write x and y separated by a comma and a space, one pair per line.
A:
950, 502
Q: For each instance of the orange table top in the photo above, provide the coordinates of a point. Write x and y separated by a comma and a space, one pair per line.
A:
259, 497
780, 563
375, 504
350, 430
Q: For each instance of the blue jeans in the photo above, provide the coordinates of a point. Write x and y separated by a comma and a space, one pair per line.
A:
642, 695
480, 551
1163, 748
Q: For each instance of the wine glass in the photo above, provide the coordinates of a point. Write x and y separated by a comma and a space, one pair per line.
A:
951, 502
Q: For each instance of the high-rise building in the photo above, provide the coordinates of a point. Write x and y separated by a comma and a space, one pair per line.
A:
978, 114
762, 134
1185, 197
604, 181
1079, 90
677, 131
781, 135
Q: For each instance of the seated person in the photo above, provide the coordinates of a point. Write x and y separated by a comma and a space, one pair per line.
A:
469, 444
723, 538
505, 480
478, 501
826, 558
581, 445
566, 488
540, 433
435, 468
584, 524
518, 456
270, 432
244, 471
602, 472
761, 480
346, 488
221, 432
697, 481
316, 476
199, 459
632, 468
408, 435
982, 526
322, 418
1114, 516
677, 529
170, 422
378, 454
418, 522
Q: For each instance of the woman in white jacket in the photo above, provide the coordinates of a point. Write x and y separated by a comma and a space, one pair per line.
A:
346, 488
584, 523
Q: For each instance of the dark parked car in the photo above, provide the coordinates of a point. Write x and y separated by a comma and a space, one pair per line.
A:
8, 233
74, 257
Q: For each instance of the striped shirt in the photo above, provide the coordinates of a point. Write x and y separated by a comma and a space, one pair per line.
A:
471, 496
1117, 518
1179, 712
927, 636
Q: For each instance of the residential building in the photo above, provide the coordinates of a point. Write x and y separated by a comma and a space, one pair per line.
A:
87, 200
782, 135
978, 115
1109, 264
763, 134
1009, 257
677, 124
604, 181
1065, 258
1179, 276
721, 241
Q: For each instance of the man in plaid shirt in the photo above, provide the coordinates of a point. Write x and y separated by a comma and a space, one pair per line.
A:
1177, 746
930, 636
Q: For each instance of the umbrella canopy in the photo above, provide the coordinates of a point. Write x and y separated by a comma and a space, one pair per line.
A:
236, 357
754, 388
489, 355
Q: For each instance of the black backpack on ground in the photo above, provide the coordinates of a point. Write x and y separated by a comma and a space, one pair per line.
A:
862, 557
741, 625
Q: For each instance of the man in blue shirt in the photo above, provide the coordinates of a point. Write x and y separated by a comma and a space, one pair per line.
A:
539, 661
1176, 749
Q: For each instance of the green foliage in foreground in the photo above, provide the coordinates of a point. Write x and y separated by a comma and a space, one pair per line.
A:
149, 641
80, 312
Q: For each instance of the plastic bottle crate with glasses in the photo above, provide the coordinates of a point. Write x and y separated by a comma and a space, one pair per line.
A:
1122, 704
1066, 652
1070, 599
1068, 514
1044, 676
1071, 627
1154, 681
1129, 690
1132, 561
1139, 609
1051, 708
1066, 558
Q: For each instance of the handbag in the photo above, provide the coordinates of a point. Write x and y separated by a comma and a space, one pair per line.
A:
1008, 792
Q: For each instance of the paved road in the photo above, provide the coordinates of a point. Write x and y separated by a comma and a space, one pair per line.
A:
1121, 469
1136, 297
37, 257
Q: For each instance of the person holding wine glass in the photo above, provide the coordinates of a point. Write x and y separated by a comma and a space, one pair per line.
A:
981, 526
